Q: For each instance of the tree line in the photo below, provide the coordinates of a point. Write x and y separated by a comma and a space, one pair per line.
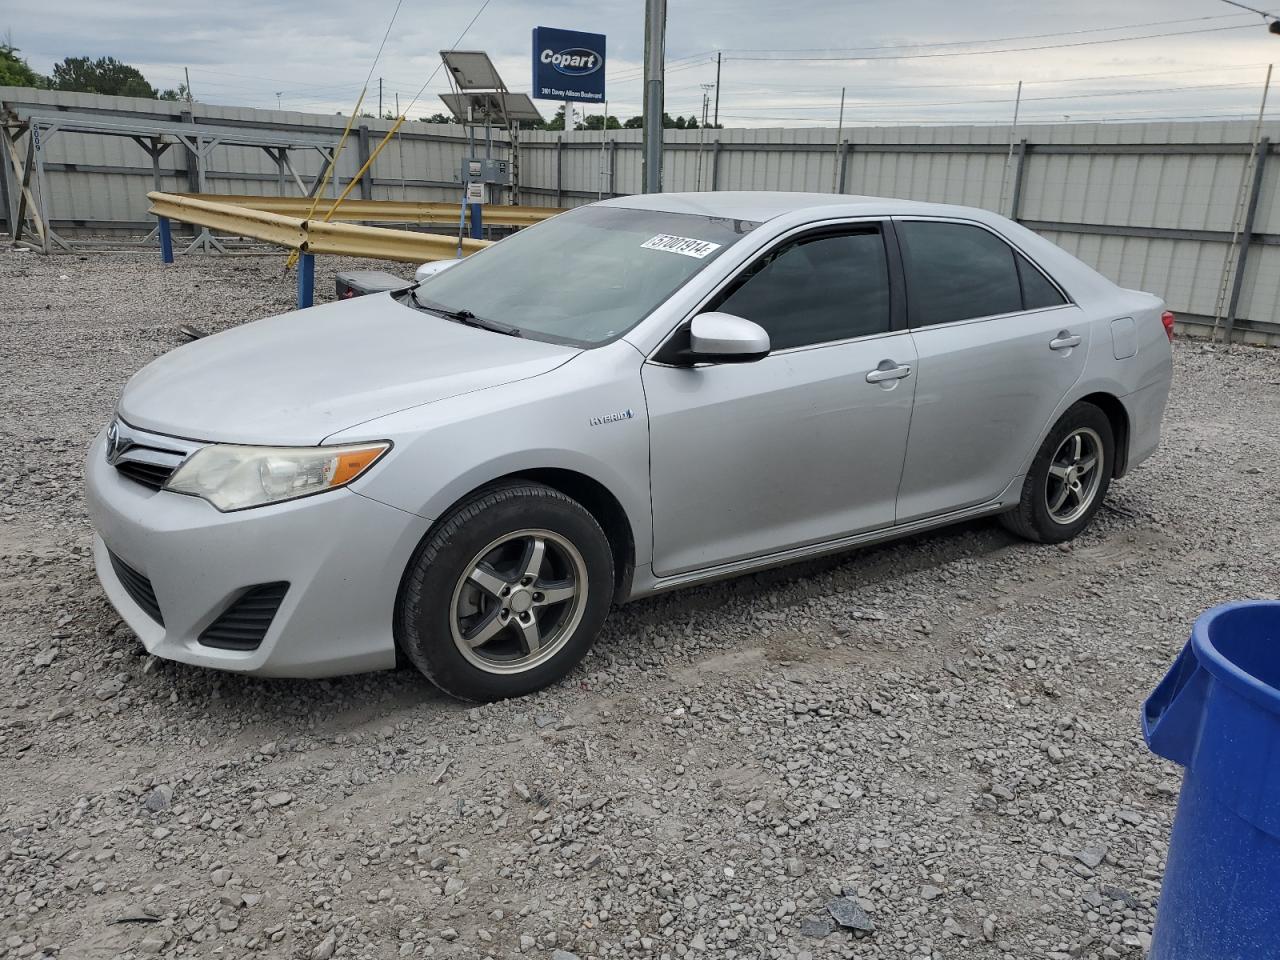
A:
596, 121
83, 75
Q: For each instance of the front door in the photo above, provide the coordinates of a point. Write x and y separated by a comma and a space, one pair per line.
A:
806, 445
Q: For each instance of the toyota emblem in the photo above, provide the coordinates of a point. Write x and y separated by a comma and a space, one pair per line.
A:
113, 442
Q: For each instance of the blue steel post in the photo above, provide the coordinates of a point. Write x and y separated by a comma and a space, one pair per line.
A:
166, 240
306, 280
477, 220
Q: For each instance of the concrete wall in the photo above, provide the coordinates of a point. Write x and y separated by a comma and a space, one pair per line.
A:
1150, 205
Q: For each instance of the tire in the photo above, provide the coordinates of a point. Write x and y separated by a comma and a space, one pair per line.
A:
455, 623
1035, 518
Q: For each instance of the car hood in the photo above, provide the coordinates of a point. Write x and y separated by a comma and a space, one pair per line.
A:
299, 377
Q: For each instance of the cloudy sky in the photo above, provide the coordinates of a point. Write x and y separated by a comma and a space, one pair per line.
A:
783, 64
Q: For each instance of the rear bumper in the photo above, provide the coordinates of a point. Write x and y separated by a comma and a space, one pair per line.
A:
341, 554
1145, 408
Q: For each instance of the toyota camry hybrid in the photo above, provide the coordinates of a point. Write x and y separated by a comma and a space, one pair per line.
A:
634, 395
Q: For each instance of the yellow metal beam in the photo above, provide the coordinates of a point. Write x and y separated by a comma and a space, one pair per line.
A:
312, 236
386, 211
274, 228
379, 243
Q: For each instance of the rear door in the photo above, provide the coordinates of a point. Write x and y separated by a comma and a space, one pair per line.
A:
998, 346
749, 459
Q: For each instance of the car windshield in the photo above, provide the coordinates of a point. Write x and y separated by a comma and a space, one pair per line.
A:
584, 277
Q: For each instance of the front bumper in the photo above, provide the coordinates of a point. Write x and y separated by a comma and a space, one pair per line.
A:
341, 554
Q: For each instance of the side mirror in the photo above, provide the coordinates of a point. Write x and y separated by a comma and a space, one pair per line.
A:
725, 338
432, 268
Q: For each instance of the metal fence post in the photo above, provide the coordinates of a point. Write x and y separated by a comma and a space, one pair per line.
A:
366, 182
1246, 235
306, 280
613, 168
193, 161
844, 166
1018, 171
559, 171
42, 188
6, 202
715, 163
166, 240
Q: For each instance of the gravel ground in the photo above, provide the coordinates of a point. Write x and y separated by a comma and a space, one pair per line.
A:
939, 737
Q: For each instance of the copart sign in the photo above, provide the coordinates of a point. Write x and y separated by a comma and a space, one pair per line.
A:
568, 65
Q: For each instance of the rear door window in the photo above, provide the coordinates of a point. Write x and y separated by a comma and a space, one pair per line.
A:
956, 271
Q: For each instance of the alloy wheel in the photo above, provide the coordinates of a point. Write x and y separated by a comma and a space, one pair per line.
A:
518, 601
1075, 473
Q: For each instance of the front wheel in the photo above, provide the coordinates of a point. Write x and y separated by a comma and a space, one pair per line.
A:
507, 594
1068, 478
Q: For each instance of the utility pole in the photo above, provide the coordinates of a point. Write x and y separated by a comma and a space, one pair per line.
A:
186, 72
702, 132
717, 119
278, 92
655, 39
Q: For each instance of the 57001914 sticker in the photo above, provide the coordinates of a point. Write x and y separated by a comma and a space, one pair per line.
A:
685, 246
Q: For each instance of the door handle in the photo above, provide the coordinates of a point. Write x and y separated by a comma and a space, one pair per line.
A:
1065, 341
888, 370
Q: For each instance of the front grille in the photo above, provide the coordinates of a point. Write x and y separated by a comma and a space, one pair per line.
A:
151, 475
243, 624
148, 459
138, 587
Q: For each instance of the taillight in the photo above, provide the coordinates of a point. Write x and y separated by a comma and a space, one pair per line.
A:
1167, 319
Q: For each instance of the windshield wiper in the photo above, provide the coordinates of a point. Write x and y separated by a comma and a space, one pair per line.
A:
468, 318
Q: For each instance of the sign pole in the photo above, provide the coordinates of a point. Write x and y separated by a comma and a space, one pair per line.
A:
655, 32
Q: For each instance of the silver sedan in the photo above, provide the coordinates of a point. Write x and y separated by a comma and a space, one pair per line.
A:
633, 396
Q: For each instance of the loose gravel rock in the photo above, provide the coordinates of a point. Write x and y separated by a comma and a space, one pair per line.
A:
941, 733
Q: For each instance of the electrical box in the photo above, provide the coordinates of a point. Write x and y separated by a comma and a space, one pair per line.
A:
484, 170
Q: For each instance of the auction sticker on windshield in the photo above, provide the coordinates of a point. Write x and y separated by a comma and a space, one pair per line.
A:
685, 246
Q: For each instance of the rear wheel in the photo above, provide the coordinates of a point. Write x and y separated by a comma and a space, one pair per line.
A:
506, 594
1068, 478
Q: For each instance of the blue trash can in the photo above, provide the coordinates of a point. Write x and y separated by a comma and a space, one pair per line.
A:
1217, 712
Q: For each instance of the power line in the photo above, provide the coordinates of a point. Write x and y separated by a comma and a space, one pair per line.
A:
955, 43
986, 53
1072, 96
470, 23
378, 56
1244, 113
701, 59
819, 88
1261, 13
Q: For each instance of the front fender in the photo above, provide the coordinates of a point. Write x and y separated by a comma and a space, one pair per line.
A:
588, 417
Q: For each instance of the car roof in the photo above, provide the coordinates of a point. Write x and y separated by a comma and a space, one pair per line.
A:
762, 205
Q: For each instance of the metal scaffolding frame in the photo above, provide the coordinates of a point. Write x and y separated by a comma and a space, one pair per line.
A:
24, 173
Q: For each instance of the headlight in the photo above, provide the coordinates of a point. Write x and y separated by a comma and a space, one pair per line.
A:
233, 477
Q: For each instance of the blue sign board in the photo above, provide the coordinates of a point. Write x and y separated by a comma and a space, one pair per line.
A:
568, 65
